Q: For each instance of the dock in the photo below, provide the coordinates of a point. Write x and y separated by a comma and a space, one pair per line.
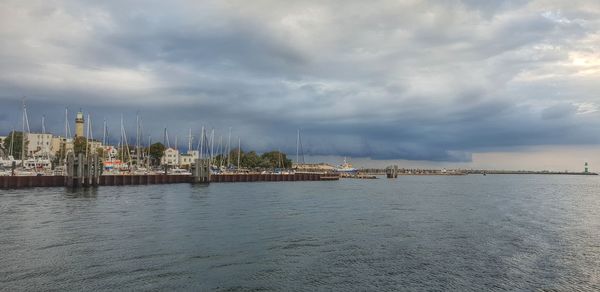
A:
18, 182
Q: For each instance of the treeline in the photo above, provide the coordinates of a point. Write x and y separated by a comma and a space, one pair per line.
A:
249, 160
268, 160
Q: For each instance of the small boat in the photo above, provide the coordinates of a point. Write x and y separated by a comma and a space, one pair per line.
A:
179, 171
346, 168
7, 162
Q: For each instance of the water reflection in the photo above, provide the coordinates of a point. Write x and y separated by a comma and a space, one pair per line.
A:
76, 193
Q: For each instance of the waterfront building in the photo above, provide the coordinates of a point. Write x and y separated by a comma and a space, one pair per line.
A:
38, 144
586, 170
186, 160
58, 142
95, 145
171, 157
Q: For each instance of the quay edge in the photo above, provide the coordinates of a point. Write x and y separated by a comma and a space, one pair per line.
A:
18, 182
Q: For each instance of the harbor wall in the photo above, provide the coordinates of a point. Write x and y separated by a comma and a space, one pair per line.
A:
17, 182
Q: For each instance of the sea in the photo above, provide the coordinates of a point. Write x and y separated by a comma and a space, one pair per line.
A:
413, 233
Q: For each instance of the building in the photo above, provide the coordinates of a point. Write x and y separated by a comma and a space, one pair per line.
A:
171, 157
94, 145
58, 143
79, 123
185, 160
38, 144
586, 170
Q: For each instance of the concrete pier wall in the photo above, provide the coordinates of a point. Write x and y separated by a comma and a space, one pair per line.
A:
17, 182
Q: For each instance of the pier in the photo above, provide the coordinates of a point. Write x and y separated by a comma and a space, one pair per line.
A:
17, 182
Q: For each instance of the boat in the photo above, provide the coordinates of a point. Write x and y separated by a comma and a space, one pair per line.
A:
7, 162
38, 164
179, 171
346, 168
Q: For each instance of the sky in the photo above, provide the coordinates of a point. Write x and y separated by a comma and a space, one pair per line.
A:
494, 84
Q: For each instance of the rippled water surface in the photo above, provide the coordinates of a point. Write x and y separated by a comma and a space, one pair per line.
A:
412, 233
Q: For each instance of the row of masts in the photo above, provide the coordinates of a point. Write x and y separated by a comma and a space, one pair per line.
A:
205, 147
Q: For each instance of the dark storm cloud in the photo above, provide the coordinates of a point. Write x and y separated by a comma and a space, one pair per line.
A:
423, 80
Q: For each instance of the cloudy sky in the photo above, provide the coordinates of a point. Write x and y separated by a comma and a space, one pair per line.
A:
498, 84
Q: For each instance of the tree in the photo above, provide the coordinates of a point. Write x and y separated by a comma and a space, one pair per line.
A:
80, 145
100, 152
16, 144
250, 160
157, 150
276, 159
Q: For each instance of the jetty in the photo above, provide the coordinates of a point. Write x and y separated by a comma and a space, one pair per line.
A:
18, 182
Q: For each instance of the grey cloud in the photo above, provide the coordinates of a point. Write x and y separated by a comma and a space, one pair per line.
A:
430, 80
558, 111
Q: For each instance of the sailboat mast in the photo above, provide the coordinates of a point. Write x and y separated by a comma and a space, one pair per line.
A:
148, 155
212, 145
66, 123
121, 156
126, 143
64, 152
239, 152
23, 137
104, 133
46, 150
220, 151
229, 148
298, 147
190, 141
87, 136
12, 143
137, 139
201, 142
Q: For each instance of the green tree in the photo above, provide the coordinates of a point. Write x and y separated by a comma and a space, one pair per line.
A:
250, 160
80, 145
100, 152
16, 144
276, 159
157, 150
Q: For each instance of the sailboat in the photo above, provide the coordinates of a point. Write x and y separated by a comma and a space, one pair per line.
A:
32, 165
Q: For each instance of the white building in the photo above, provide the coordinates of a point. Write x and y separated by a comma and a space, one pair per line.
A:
186, 160
171, 157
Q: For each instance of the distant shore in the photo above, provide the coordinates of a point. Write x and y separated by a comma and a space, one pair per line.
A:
403, 171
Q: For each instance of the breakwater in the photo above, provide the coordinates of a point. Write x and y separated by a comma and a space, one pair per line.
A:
16, 182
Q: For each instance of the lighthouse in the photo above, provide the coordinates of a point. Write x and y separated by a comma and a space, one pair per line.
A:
79, 122
586, 170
